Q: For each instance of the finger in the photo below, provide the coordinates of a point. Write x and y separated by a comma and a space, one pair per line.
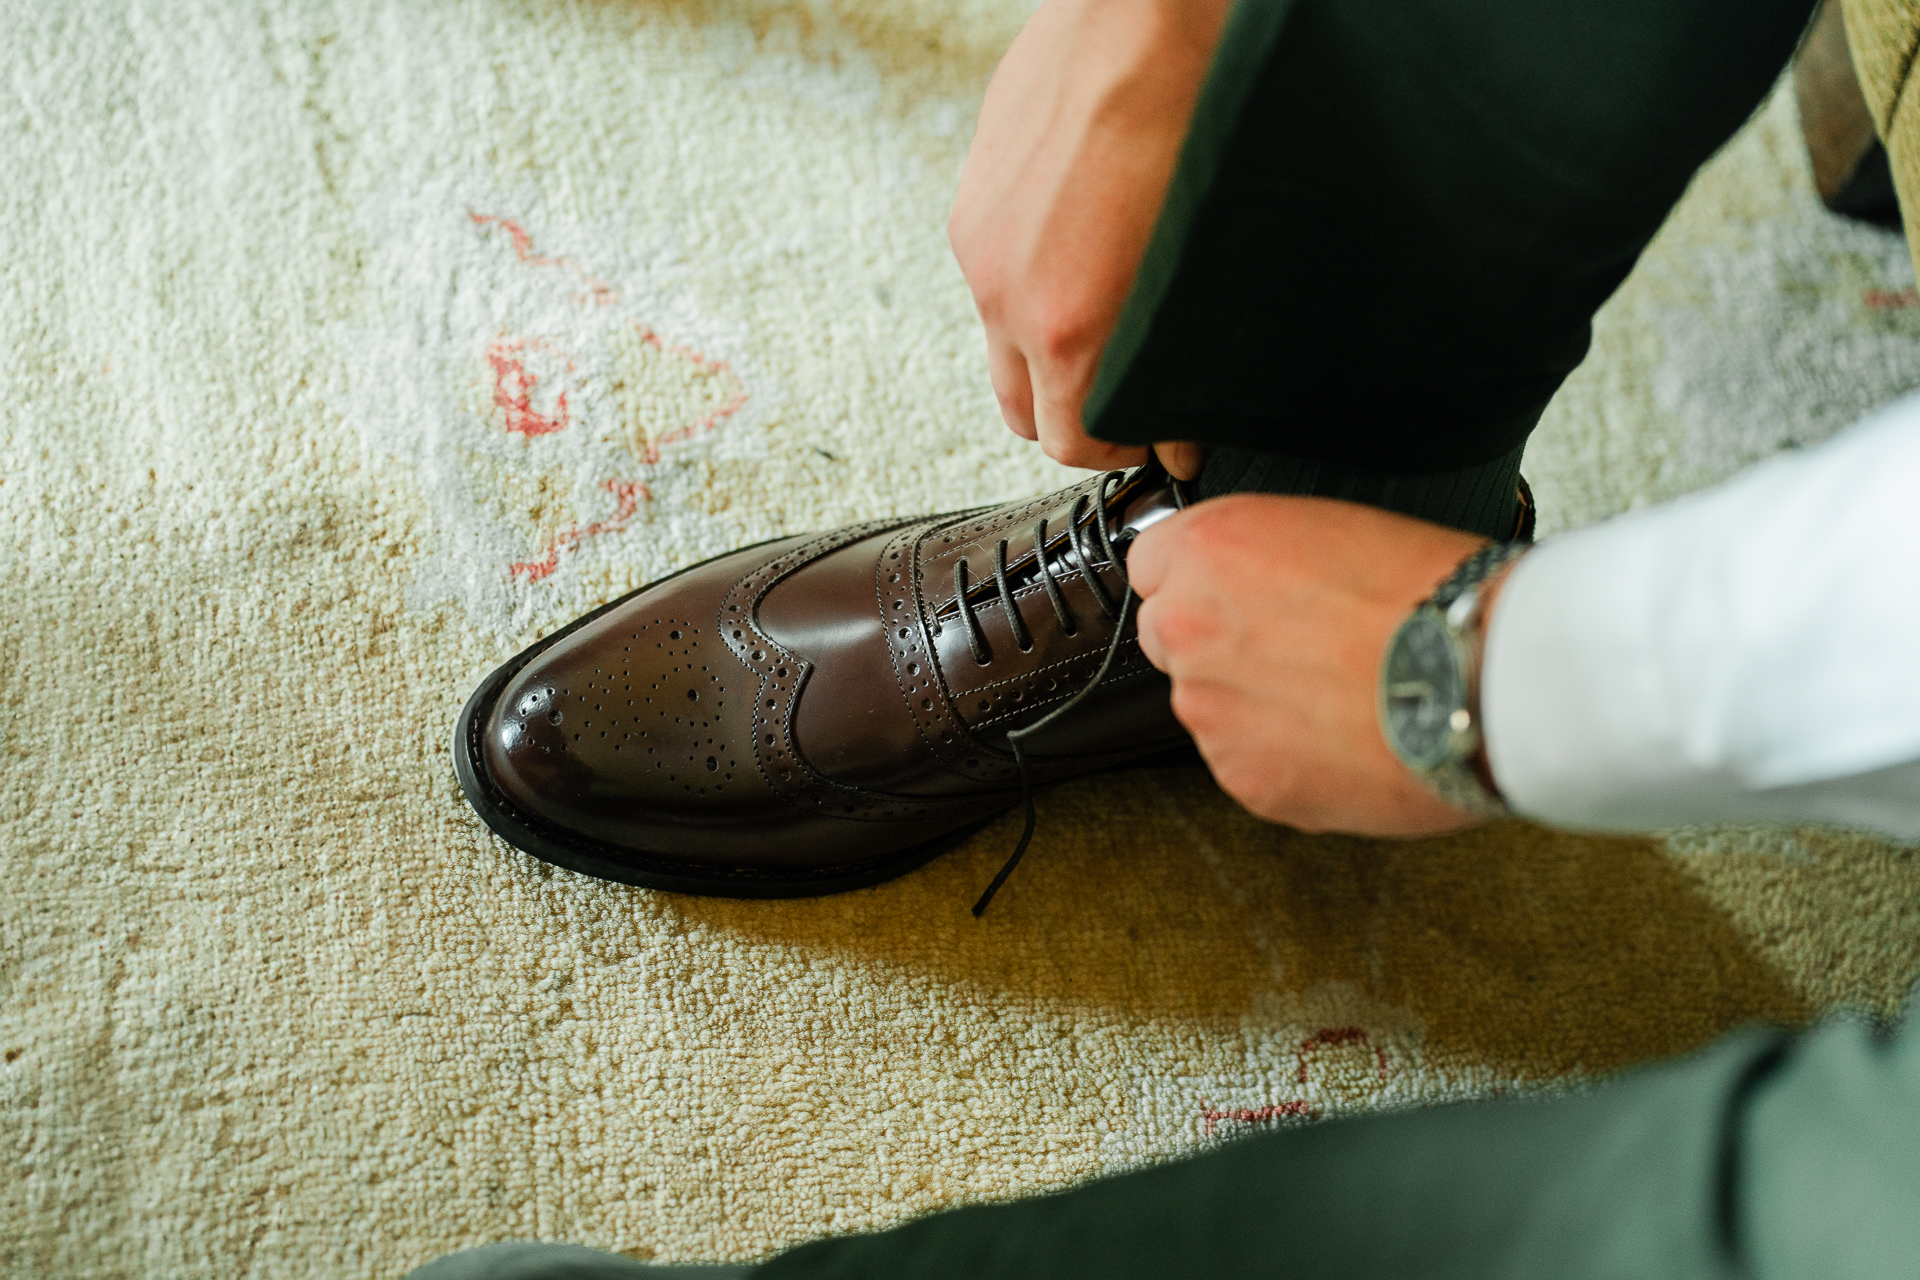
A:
1012, 387
1064, 439
1181, 458
1147, 629
1211, 712
1080, 450
1182, 640
1150, 558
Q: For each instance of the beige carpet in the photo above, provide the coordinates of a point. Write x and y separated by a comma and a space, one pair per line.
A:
350, 345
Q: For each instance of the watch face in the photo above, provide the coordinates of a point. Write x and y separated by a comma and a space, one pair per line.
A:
1422, 689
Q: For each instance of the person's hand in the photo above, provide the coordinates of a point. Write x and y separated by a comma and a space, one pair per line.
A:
1078, 136
1272, 615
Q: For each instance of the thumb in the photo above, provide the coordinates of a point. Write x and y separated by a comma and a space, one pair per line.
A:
1181, 458
1150, 558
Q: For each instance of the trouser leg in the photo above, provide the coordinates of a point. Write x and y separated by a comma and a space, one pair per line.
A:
1766, 1156
1824, 1158
1394, 219
1763, 1157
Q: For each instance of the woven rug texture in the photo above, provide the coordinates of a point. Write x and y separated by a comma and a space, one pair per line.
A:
350, 345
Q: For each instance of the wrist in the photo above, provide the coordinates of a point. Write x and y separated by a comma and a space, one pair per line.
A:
1481, 762
1146, 50
1428, 690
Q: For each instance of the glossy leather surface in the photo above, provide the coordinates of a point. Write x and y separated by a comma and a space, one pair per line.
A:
817, 700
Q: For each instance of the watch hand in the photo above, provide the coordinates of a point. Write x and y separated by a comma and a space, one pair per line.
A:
1410, 689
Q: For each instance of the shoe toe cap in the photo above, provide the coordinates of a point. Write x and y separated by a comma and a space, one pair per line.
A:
632, 730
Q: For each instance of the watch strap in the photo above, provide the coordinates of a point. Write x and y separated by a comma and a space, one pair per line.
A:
1474, 570
1460, 785
1457, 781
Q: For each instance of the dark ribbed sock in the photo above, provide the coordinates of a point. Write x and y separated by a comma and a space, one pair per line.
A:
1484, 499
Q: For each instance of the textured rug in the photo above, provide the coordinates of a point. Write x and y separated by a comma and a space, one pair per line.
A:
351, 345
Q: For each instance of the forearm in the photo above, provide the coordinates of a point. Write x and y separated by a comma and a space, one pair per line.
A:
1740, 655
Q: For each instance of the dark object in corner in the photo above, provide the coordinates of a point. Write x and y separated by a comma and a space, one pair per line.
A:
1849, 164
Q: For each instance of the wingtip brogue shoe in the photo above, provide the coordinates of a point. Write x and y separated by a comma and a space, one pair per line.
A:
825, 712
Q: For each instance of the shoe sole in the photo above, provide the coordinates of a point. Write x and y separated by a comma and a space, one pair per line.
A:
664, 872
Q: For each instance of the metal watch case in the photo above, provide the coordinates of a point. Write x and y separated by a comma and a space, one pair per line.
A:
1429, 687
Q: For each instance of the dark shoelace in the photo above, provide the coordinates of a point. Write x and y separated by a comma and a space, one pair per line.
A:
1082, 541
1078, 538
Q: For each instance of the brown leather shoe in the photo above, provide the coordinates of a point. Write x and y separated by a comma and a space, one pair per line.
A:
825, 712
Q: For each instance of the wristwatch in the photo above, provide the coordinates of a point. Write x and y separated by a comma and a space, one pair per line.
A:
1429, 695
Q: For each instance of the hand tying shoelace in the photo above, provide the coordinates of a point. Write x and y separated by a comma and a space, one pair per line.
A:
1083, 542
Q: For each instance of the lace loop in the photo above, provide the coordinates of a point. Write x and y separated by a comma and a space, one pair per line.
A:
1083, 538
1089, 548
976, 638
1068, 623
1016, 623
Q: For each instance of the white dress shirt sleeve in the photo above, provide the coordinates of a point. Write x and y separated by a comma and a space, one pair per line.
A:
1748, 653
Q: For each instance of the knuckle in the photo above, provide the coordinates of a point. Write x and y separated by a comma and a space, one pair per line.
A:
1259, 793
1213, 533
1239, 782
1184, 629
1195, 707
1146, 630
1184, 710
1235, 783
985, 282
1061, 337
1065, 449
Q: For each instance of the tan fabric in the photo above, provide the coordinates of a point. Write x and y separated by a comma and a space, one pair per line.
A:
293, 296
1883, 35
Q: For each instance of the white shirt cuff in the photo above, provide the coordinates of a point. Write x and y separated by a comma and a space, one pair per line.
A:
1744, 654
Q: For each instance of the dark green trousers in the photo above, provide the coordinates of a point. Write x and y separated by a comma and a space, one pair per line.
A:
1768, 1157
1393, 221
